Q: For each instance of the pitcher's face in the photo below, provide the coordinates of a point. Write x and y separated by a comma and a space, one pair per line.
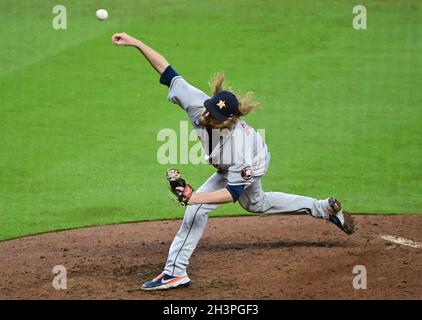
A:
204, 119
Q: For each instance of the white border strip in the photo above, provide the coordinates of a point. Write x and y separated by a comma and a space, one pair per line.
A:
402, 241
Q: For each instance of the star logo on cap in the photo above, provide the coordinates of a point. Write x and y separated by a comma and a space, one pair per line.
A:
221, 104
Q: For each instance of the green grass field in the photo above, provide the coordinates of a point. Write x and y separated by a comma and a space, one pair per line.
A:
342, 108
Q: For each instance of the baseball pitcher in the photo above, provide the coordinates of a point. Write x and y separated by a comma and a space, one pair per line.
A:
241, 159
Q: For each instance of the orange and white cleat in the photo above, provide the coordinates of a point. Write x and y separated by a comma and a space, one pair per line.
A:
164, 282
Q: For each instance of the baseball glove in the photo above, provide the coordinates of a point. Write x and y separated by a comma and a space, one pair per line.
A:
179, 187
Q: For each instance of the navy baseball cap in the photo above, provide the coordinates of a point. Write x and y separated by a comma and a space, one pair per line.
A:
222, 106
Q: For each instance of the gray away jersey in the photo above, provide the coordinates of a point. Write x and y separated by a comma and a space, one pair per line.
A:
239, 154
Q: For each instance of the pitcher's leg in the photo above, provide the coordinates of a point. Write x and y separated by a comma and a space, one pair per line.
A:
193, 226
187, 238
254, 199
278, 202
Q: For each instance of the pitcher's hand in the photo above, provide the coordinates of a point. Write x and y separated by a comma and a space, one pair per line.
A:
123, 39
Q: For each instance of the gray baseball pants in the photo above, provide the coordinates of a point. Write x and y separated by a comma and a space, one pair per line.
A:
253, 199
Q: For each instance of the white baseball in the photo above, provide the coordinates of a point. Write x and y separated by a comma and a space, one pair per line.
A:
101, 14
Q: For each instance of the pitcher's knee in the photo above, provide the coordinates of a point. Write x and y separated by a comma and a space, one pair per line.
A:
192, 212
252, 207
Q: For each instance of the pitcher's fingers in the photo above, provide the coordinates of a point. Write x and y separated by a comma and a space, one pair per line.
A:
115, 38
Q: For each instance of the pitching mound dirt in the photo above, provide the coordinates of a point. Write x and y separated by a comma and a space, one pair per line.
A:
273, 257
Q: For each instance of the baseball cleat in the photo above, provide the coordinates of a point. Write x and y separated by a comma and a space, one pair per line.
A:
164, 282
340, 217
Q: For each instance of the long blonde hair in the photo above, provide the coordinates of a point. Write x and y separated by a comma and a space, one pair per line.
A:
247, 102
